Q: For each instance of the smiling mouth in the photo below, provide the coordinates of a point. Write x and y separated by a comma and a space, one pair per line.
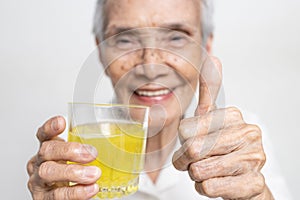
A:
152, 93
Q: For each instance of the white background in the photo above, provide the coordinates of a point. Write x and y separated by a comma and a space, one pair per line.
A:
44, 43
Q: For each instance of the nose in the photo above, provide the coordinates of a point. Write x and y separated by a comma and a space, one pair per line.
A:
152, 65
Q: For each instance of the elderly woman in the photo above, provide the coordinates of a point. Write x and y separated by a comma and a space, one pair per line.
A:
151, 51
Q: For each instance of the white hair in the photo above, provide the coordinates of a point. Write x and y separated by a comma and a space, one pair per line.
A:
207, 25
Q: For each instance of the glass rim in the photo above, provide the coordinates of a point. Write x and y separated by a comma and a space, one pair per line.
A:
107, 105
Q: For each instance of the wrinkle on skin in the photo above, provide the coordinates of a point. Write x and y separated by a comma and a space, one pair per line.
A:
139, 14
155, 65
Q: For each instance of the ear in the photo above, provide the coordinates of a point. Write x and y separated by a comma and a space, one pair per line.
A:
98, 42
208, 46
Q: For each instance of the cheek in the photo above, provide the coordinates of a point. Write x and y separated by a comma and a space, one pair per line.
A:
187, 70
119, 67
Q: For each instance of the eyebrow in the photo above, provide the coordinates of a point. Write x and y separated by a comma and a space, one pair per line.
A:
117, 30
183, 27
172, 26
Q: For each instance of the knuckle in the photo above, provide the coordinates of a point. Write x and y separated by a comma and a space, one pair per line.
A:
191, 151
176, 156
194, 172
68, 193
72, 148
203, 170
30, 166
238, 169
253, 136
38, 196
29, 185
220, 166
206, 120
260, 159
46, 170
207, 189
263, 158
260, 156
259, 182
35, 190
255, 128
177, 162
71, 171
57, 194
234, 113
252, 132
51, 149
45, 147
206, 123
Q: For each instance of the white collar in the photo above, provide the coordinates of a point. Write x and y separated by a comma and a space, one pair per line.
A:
168, 176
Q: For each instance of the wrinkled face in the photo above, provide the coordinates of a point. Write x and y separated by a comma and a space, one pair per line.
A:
152, 54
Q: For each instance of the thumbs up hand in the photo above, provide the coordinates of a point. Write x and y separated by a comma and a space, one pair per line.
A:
221, 153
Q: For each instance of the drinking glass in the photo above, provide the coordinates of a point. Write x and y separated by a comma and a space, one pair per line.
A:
119, 134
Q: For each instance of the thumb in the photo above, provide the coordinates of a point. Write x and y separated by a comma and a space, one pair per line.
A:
210, 80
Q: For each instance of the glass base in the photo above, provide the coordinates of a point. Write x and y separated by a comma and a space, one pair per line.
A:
109, 192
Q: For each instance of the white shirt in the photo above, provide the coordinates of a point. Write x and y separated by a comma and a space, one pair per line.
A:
170, 185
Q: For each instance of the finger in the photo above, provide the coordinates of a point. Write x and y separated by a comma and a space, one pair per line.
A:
249, 185
79, 192
209, 122
30, 165
66, 151
210, 81
218, 143
51, 172
232, 164
51, 128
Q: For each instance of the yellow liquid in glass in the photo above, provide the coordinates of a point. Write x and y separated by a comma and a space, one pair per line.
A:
121, 148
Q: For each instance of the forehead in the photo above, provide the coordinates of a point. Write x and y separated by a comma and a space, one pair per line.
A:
151, 13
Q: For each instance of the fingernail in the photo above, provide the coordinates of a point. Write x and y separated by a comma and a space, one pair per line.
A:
91, 172
90, 149
91, 188
54, 124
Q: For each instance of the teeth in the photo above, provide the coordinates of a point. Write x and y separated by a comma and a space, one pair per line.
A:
153, 93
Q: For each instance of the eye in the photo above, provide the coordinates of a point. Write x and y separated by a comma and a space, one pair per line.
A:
125, 42
178, 40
